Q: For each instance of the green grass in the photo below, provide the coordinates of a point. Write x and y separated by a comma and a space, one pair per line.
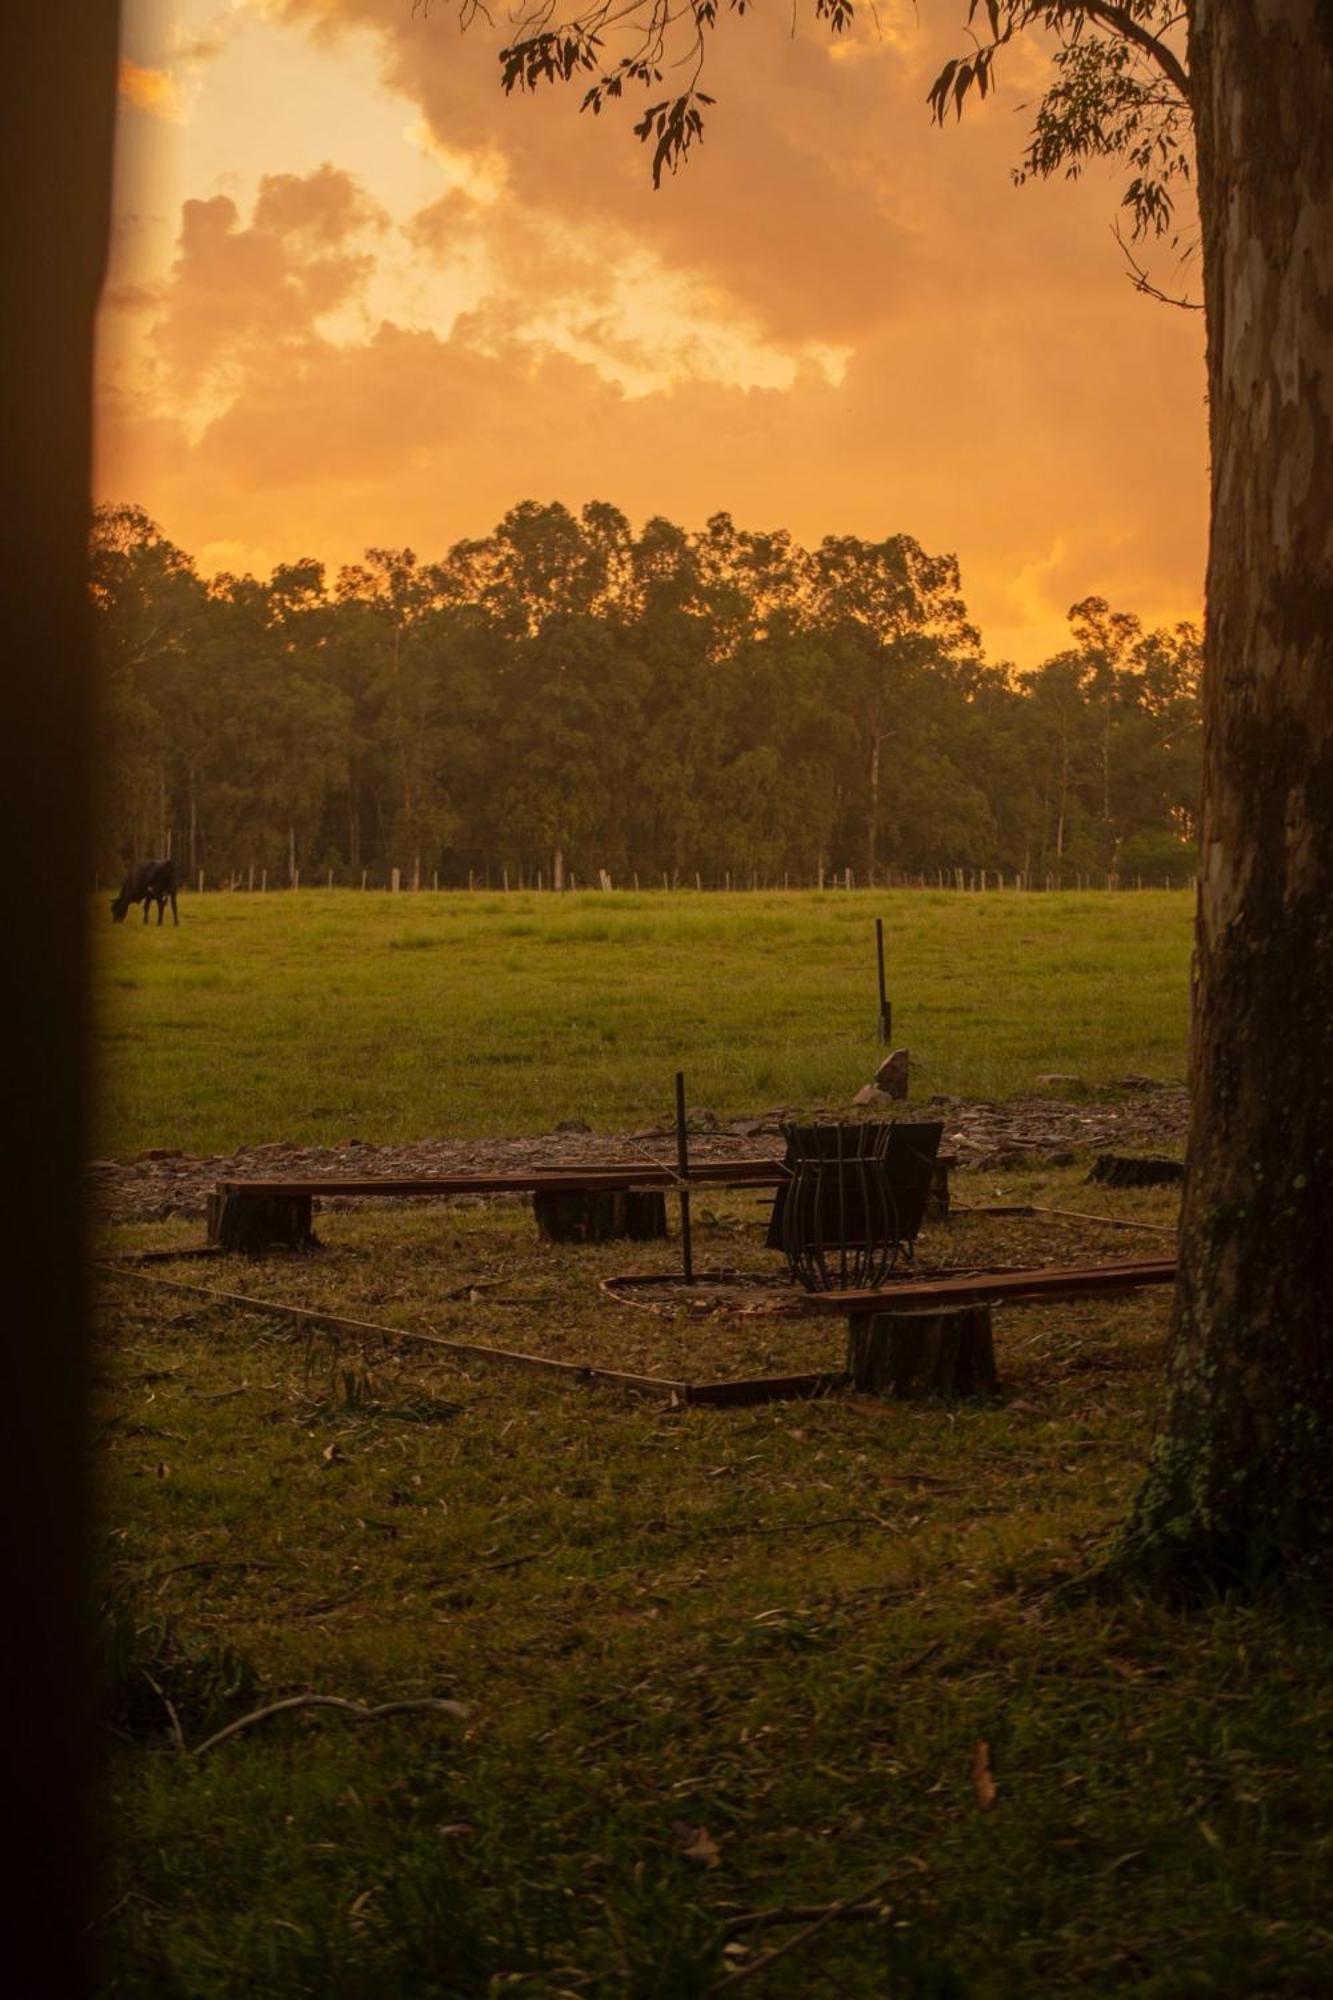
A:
789, 1626
325, 1015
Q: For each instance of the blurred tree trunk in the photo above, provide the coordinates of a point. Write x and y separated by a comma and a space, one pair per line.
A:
1242, 1477
59, 62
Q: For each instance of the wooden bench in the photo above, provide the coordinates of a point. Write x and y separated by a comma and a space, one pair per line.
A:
577, 1202
581, 1202
932, 1336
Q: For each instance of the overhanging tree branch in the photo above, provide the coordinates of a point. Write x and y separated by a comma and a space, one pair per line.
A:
1123, 23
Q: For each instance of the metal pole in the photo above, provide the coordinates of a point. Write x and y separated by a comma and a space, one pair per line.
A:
683, 1169
885, 1010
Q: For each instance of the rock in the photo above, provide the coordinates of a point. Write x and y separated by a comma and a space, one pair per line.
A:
1139, 1083
892, 1075
867, 1094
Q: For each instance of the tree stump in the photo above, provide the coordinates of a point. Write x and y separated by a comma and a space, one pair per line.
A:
600, 1216
246, 1224
947, 1352
1135, 1170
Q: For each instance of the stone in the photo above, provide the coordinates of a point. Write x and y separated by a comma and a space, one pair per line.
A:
892, 1075
867, 1094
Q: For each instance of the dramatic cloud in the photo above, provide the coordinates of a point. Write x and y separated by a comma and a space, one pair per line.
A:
836, 319
238, 297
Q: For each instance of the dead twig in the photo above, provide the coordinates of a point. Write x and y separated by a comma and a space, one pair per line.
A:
796, 1913
1063, 1214
177, 1735
207, 1563
831, 1914
735, 1531
359, 1712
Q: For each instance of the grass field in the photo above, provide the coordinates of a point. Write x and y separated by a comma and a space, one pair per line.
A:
789, 1627
716, 1662
324, 1015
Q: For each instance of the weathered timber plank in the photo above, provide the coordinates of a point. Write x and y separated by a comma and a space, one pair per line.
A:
765, 1388
1067, 1281
623, 1176
652, 1385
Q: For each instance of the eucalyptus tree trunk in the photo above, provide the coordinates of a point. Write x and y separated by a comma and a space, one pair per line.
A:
1242, 1476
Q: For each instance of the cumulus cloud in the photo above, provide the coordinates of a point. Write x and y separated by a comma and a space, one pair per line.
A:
241, 294
152, 90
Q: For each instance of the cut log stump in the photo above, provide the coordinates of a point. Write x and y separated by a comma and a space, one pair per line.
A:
598, 1216
244, 1223
947, 1353
1130, 1170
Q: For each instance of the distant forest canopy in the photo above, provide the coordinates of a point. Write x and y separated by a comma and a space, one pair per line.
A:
568, 696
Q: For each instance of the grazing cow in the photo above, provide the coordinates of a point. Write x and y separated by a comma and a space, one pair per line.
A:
148, 882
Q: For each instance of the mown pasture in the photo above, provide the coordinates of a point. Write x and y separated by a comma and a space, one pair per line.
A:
717, 1662
319, 1014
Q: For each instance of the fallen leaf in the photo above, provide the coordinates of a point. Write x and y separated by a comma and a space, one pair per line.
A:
696, 1843
331, 1455
983, 1784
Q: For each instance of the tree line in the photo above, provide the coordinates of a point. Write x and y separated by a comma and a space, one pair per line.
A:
568, 696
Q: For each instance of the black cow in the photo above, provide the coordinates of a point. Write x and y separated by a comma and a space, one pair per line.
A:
148, 882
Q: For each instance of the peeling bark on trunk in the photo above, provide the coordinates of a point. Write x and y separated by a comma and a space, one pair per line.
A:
1242, 1476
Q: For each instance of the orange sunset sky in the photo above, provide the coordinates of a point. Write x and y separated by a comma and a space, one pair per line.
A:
359, 297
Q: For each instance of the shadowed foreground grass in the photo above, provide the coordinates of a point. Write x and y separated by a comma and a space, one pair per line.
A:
329, 1014
789, 1627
